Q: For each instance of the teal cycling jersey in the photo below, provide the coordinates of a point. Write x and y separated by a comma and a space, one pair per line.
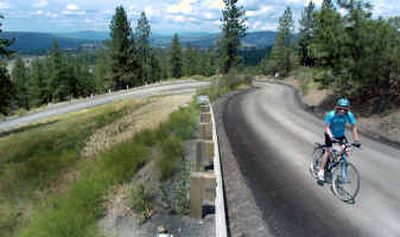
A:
337, 123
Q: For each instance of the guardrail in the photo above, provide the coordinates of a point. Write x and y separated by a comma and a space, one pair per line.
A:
206, 183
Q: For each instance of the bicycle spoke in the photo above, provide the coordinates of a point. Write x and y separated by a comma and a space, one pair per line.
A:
347, 189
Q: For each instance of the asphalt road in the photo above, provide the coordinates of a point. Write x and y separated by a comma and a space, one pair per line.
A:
272, 137
66, 107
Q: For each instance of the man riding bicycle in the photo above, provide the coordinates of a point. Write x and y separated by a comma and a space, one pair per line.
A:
335, 126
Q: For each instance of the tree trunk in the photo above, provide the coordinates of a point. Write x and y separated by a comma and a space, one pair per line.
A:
383, 96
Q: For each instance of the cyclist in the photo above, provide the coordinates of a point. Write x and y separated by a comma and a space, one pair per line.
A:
335, 125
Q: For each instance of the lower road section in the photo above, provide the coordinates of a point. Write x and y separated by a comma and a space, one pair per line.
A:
271, 138
66, 107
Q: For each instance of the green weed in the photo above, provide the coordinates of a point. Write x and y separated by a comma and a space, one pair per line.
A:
77, 212
140, 199
172, 154
34, 158
221, 85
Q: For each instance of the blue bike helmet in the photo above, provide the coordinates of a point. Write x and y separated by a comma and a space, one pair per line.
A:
343, 102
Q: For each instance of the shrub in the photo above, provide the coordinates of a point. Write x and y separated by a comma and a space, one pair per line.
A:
140, 199
172, 153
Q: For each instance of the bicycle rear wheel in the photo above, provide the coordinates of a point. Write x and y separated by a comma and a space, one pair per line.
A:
346, 181
316, 160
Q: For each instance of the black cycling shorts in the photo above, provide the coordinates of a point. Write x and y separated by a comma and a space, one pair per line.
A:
328, 142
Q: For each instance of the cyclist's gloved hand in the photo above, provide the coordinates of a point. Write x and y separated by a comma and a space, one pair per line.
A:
357, 144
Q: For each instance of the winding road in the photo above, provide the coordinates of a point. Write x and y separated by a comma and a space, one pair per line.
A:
173, 87
271, 137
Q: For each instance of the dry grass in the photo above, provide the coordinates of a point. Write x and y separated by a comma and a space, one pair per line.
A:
149, 116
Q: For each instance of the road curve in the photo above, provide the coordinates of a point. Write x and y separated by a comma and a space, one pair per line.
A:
272, 136
62, 108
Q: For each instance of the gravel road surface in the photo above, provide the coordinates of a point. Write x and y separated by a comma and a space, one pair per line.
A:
271, 138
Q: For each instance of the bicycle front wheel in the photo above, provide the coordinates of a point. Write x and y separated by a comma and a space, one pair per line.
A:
346, 181
316, 160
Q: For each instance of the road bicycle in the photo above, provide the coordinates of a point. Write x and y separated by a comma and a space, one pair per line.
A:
340, 172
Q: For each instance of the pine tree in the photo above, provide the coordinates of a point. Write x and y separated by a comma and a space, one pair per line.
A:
281, 56
233, 30
156, 71
327, 4
330, 36
176, 58
142, 36
207, 63
6, 90
38, 78
101, 72
191, 61
57, 83
6, 86
307, 32
119, 49
19, 77
134, 67
163, 58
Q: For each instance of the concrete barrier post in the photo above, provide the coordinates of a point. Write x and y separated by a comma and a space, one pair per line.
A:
202, 185
204, 154
205, 117
205, 108
205, 131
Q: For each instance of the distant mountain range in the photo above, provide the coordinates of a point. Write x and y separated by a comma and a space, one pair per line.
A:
39, 43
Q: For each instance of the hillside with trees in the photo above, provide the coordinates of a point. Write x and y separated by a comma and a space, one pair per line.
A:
350, 52
127, 60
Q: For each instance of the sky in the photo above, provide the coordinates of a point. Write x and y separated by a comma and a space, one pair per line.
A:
165, 16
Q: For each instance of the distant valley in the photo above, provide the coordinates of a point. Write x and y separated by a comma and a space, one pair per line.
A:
40, 43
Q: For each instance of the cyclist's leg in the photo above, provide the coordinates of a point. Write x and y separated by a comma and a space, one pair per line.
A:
328, 145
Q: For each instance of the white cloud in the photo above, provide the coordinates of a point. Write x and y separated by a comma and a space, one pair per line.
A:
209, 15
385, 8
179, 19
73, 13
51, 14
184, 6
152, 12
4, 5
216, 23
72, 7
294, 1
260, 25
260, 12
73, 10
40, 3
107, 12
214, 4
89, 21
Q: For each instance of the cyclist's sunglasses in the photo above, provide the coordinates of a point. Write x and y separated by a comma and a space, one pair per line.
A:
345, 109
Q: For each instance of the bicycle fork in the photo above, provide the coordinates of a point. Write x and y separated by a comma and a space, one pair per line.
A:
343, 170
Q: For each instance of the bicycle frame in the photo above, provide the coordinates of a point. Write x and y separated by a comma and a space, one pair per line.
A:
332, 164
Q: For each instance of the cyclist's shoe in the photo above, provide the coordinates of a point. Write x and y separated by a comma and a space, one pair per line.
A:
357, 144
321, 175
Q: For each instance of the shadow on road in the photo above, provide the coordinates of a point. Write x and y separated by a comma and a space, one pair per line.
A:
26, 128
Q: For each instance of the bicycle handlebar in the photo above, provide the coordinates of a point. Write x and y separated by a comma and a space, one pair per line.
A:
347, 144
